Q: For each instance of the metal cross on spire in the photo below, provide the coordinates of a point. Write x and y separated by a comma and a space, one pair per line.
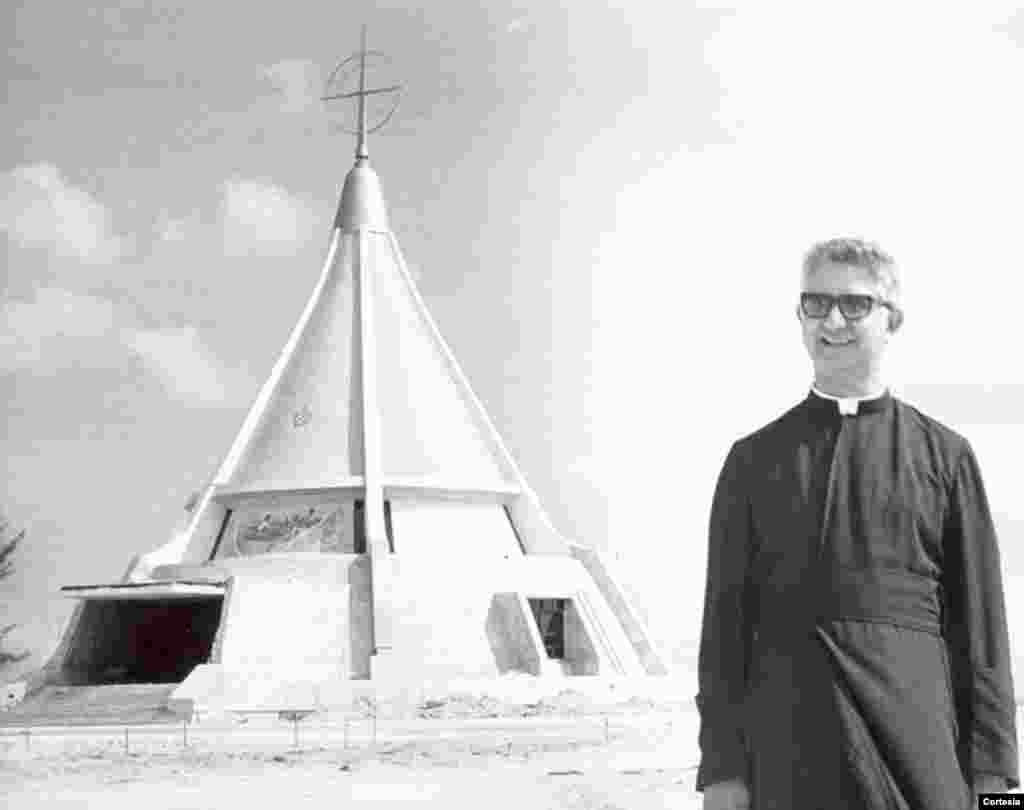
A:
336, 90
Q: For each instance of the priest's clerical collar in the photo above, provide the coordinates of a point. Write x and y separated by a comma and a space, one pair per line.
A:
850, 406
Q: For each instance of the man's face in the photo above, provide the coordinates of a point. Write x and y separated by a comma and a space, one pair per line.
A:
845, 352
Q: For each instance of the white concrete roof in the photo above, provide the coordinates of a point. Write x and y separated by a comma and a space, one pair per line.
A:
365, 325
366, 400
148, 590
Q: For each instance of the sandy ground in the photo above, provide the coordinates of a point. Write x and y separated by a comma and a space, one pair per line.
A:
637, 758
612, 761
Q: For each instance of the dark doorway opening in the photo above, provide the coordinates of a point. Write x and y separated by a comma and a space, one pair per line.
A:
550, 617
142, 640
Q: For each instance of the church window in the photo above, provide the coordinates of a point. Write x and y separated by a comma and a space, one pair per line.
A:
359, 534
550, 617
515, 531
360, 528
387, 526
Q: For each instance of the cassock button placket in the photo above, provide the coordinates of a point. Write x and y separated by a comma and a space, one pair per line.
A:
847, 410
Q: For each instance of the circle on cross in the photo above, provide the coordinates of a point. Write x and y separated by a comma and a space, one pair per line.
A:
362, 79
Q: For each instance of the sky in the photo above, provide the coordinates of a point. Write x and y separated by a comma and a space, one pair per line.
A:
605, 206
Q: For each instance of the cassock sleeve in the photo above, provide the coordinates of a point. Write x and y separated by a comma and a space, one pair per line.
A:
724, 647
976, 629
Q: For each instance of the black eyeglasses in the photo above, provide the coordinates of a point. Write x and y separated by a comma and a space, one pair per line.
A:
852, 306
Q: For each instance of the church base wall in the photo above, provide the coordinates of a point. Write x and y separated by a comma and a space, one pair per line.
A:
597, 565
471, 619
305, 616
296, 629
295, 624
213, 691
508, 633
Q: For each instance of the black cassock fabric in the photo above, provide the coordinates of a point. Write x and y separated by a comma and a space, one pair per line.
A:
854, 651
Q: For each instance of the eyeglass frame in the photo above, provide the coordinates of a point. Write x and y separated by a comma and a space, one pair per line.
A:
837, 301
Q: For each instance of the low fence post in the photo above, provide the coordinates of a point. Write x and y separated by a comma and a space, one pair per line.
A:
294, 716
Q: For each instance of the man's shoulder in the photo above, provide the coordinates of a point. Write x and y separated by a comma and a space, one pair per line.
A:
929, 429
917, 426
781, 426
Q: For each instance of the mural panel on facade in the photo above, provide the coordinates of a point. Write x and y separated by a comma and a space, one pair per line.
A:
325, 528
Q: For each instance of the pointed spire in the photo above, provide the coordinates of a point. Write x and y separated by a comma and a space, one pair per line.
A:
361, 204
362, 153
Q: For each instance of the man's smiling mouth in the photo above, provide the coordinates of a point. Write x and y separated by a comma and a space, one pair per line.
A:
836, 341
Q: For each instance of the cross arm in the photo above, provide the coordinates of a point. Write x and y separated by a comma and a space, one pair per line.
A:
355, 93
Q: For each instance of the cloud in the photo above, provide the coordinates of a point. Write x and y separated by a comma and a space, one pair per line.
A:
39, 208
37, 334
59, 329
180, 360
298, 82
175, 229
262, 219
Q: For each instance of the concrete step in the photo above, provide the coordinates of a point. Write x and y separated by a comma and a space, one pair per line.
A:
109, 704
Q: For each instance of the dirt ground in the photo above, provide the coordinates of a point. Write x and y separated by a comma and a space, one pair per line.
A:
608, 761
442, 777
453, 755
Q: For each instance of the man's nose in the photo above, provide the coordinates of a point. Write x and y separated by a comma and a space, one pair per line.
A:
835, 319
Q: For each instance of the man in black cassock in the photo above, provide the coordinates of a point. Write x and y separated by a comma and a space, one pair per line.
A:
854, 652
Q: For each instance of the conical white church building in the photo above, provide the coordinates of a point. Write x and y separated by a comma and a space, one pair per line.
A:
367, 524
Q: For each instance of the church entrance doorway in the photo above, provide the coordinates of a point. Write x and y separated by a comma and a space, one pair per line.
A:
140, 641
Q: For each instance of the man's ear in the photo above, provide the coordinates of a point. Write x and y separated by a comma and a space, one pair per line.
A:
895, 319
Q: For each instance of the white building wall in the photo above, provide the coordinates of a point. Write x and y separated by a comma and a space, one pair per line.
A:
433, 535
454, 561
290, 614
